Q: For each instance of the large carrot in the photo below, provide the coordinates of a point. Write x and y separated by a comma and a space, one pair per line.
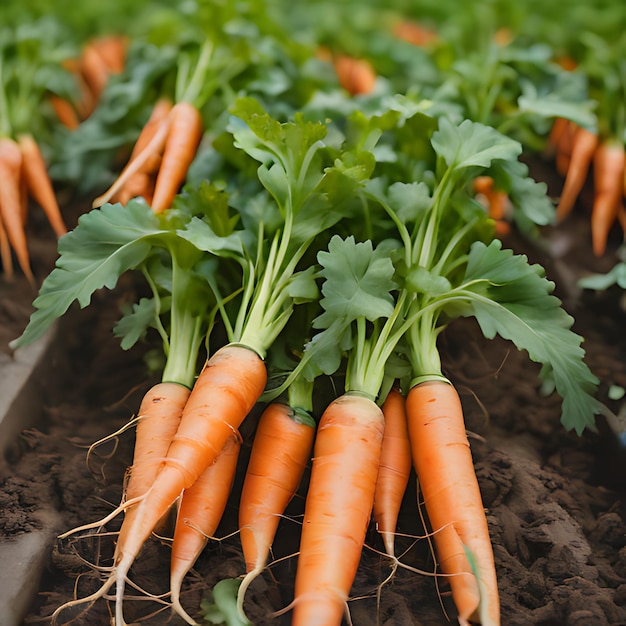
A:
447, 480
227, 388
394, 470
280, 452
140, 183
338, 508
608, 177
10, 203
564, 147
201, 509
39, 184
584, 144
180, 149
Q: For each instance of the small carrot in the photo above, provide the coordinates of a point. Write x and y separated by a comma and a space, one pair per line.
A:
584, 144
64, 111
112, 51
338, 508
559, 127
94, 70
39, 184
10, 203
608, 176
445, 471
414, 33
180, 149
5, 253
152, 150
141, 183
496, 202
229, 385
564, 147
395, 468
201, 509
280, 452
356, 76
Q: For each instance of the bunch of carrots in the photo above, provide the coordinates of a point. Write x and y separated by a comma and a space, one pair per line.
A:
578, 151
257, 250
100, 57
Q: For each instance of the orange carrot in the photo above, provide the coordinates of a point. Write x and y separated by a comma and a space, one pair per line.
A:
338, 508
557, 133
180, 148
394, 470
141, 183
94, 70
5, 253
201, 509
280, 452
584, 144
496, 202
10, 203
39, 183
564, 147
159, 417
112, 51
608, 176
356, 76
152, 150
65, 111
227, 388
447, 480
414, 33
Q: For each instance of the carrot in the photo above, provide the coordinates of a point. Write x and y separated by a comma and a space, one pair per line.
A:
356, 76
5, 253
338, 507
496, 202
445, 471
64, 111
39, 184
141, 183
159, 416
608, 176
584, 144
559, 128
280, 452
414, 33
564, 147
10, 203
152, 150
227, 388
94, 70
201, 508
180, 148
112, 51
394, 470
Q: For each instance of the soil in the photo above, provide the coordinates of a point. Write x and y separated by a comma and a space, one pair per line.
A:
556, 502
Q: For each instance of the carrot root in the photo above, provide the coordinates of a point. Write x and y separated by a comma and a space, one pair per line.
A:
445, 471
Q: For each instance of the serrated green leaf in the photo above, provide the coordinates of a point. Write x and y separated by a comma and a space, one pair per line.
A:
106, 243
516, 302
472, 144
133, 326
357, 282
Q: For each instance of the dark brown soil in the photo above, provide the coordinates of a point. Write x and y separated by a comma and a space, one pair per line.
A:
556, 502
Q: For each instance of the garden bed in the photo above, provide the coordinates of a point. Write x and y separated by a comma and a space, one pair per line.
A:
555, 501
